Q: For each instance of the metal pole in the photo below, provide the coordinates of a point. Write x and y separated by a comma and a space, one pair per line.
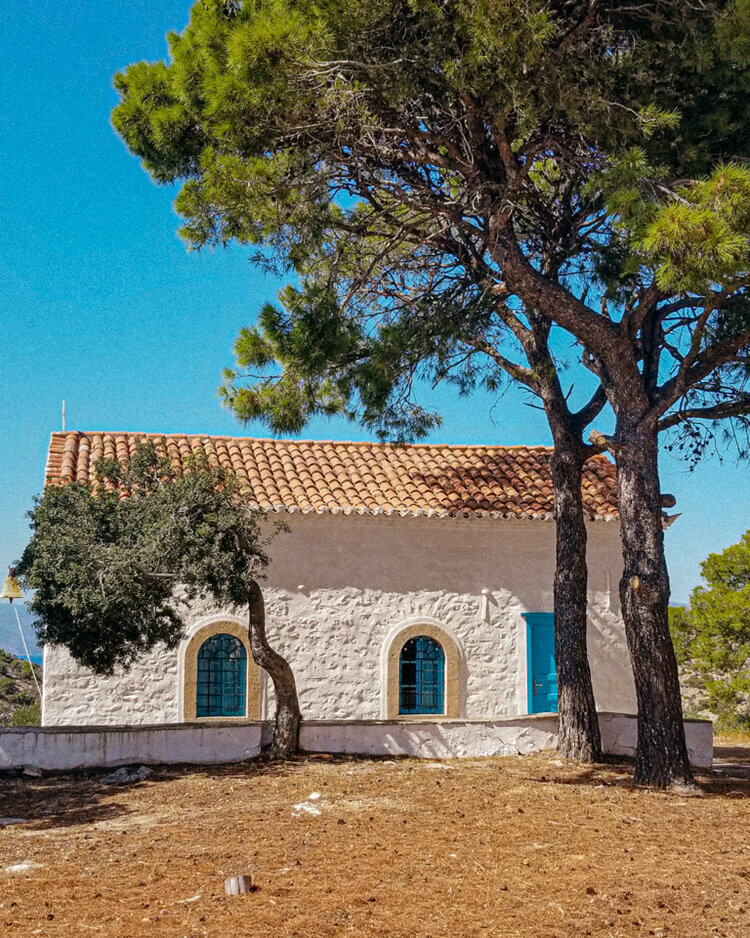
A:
28, 656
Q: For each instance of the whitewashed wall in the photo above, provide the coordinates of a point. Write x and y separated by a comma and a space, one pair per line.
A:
339, 586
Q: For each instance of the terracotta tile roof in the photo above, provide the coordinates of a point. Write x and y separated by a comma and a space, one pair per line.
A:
366, 478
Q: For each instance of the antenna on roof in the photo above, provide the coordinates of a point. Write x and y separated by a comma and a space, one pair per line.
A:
63, 416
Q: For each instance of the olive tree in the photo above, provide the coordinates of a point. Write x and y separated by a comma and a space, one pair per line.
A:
113, 564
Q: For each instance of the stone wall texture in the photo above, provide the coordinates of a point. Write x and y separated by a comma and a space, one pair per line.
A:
338, 591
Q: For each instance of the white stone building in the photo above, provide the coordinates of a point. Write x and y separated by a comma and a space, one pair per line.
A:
415, 582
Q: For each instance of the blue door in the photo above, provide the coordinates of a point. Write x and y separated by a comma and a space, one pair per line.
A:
540, 666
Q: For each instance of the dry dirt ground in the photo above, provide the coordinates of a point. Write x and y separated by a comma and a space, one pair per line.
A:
501, 847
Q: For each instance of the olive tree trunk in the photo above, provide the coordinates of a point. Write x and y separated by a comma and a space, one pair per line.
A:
285, 740
662, 758
578, 726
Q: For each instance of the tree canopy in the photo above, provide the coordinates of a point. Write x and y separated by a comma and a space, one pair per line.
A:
110, 564
432, 174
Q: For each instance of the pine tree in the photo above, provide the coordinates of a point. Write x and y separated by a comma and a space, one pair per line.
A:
453, 185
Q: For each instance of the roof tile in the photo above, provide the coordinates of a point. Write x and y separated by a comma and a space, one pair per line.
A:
366, 478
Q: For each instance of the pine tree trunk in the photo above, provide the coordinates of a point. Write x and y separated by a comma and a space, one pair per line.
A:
661, 758
285, 740
578, 725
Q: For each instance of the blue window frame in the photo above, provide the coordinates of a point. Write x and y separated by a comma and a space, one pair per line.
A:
222, 670
421, 676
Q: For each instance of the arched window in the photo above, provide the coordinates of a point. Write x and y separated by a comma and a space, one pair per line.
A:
421, 676
221, 678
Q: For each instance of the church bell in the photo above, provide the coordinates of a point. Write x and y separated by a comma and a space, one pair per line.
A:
11, 588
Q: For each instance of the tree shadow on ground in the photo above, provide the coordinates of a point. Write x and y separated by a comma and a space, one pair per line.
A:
83, 797
732, 755
730, 782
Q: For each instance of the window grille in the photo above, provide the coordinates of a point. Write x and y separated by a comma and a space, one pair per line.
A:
222, 680
421, 676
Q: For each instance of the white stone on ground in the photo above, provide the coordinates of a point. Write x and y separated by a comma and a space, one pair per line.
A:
304, 807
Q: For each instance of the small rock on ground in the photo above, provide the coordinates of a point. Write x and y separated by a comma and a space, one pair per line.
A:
23, 867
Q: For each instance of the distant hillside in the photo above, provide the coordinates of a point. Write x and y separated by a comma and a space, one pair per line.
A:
17, 691
10, 639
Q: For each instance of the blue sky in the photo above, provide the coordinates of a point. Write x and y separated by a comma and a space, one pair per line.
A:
100, 303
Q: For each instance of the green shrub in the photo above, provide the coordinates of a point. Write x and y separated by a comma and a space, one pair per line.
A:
30, 715
7, 687
712, 637
728, 699
683, 633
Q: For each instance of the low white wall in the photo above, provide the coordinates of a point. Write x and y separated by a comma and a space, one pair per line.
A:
86, 747
476, 738
620, 737
443, 740
69, 748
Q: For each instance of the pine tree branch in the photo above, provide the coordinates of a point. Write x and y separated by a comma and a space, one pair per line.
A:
591, 410
735, 408
555, 301
519, 372
698, 365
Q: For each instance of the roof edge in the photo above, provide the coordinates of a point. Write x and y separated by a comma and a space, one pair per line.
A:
275, 439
